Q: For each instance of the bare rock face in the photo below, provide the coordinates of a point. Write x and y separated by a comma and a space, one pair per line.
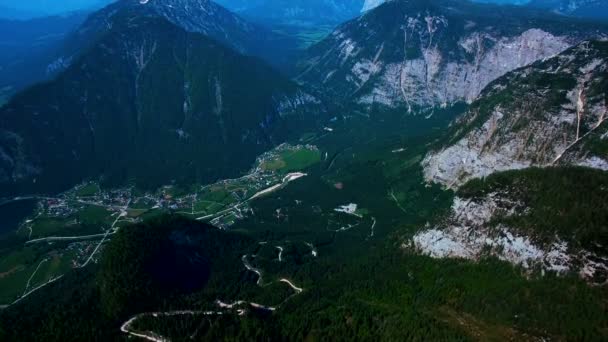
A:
550, 113
433, 53
434, 79
469, 233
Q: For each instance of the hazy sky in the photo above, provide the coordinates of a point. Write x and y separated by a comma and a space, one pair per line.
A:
51, 6
42, 7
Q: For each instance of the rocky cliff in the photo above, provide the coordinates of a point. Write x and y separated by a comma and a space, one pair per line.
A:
417, 53
528, 161
552, 112
548, 220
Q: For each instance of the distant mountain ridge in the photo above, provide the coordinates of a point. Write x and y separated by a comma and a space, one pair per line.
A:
597, 9
27, 46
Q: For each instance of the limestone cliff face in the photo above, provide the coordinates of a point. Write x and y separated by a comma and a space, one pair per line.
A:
486, 223
550, 113
427, 53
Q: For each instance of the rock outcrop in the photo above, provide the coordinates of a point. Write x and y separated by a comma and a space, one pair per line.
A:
417, 53
550, 113
470, 233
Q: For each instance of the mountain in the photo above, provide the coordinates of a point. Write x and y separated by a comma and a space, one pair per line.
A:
528, 162
27, 46
197, 16
596, 9
416, 53
148, 101
552, 112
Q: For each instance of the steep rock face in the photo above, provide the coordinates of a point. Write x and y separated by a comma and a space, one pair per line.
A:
552, 112
149, 102
417, 53
197, 16
505, 216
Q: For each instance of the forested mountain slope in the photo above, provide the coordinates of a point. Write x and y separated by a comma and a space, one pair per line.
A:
153, 102
197, 16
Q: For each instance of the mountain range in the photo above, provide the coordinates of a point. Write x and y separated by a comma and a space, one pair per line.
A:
597, 9
427, 170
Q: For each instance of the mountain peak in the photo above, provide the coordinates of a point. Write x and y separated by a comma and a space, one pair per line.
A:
196, 16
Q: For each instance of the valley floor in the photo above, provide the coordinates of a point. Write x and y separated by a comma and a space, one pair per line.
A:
329, 215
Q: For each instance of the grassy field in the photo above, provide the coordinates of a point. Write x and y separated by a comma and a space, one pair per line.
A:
90, 219
15, 270
87, 190
36, 264
308, 37
291, 160
56, 264
94, 215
